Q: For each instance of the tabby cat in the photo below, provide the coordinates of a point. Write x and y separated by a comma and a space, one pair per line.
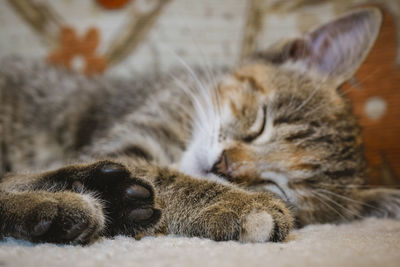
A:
233, 154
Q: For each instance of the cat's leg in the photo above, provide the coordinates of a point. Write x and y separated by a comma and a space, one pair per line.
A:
126, 201
196, 207
191, 207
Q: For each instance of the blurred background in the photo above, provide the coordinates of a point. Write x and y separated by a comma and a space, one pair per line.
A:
123, 38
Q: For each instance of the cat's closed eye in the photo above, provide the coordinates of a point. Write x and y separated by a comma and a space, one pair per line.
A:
258, 126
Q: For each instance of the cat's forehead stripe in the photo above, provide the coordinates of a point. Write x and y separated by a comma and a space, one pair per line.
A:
258, 75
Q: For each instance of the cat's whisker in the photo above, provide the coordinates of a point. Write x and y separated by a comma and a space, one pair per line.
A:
202, 88
310, 96
209, 96
201, 120
315, 109
340, 196
350, 199
207, 66
217, 100
357, 186
189, 70
189, 113
202, 94
359, 82
291, 100
188, 92
308, 99
317, 197
353, 213
214, 85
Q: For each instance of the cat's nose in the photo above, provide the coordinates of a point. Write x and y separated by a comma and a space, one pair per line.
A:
222, 165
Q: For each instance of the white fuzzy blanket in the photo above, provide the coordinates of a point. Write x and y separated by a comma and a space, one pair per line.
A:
371, 242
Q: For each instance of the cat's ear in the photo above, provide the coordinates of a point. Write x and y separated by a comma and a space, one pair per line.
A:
335, 49
380, 202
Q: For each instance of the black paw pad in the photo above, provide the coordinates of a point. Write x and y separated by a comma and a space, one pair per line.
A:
137, 192
140, 215
128, 199
113, 168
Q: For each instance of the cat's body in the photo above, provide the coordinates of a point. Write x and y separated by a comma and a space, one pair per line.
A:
267, 125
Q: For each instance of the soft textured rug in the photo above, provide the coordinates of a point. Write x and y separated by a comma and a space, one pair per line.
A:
371, 242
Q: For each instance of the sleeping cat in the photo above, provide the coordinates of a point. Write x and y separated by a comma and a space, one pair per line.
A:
237, 154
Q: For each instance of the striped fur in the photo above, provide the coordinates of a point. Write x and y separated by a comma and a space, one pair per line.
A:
223, 153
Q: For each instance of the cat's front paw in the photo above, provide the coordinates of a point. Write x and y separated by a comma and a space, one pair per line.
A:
128, 199
265, 218
62, 217
255, 217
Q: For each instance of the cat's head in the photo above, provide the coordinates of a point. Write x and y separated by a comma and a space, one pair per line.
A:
279, 122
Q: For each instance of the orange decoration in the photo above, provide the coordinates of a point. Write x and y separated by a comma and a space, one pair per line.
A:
379, 79
79, 51
113, 4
